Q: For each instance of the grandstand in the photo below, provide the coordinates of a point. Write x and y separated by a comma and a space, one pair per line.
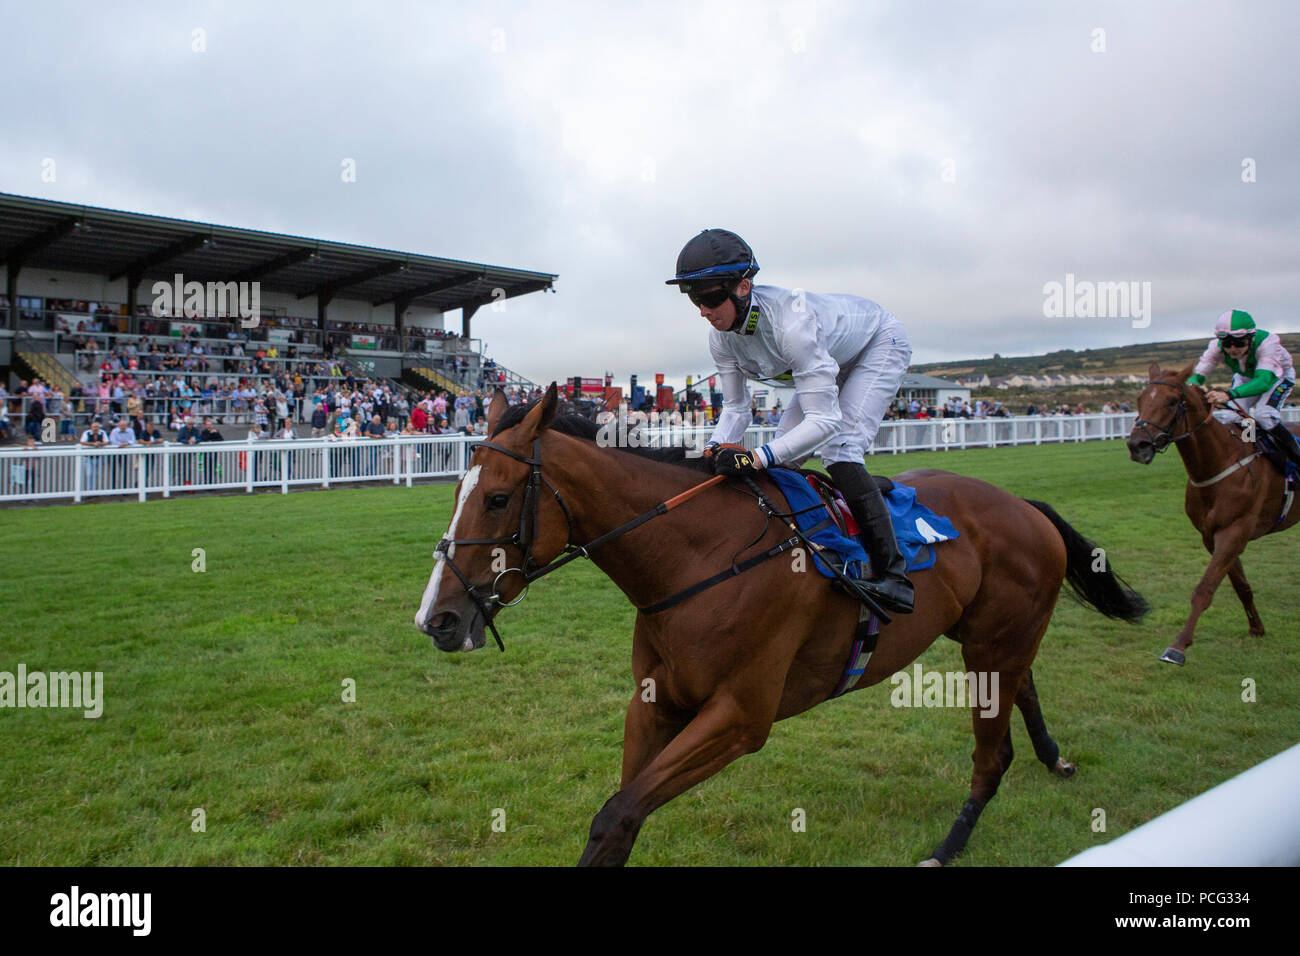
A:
163, 306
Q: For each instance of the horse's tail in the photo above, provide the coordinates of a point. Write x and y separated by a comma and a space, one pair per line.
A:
1102, 589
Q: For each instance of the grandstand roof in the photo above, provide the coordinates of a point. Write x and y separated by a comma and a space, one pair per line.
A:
45, 234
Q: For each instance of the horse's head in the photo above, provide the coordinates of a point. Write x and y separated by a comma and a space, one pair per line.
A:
506, 522
1168, 409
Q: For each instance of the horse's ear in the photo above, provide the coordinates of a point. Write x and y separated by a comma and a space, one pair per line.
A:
1153, 372
1187, 371
537, 420
496, 408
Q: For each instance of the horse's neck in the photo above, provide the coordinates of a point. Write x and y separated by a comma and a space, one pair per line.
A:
605, 488
1208, 450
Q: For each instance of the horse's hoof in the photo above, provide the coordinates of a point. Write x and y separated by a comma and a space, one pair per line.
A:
1062, 768
1171, 656
1255, 633
930, 862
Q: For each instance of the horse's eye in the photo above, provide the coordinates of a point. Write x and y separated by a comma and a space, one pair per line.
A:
498, 501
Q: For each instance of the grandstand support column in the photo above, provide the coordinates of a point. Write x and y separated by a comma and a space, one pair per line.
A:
400, 305
322, 304
13, 267
467, 313
133, 281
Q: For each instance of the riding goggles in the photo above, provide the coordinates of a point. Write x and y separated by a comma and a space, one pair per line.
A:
709, 298
1234, 341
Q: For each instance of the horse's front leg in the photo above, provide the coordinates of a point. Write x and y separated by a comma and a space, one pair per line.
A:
647, 729
723, 730
1228, 545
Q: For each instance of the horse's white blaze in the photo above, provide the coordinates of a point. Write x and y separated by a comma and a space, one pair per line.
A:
431, 590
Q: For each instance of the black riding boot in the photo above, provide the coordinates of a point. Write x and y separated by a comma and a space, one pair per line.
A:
1286, 441
889, 583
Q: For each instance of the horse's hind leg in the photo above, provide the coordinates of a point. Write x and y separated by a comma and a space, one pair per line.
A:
993, 750
1045, 748
1237, 574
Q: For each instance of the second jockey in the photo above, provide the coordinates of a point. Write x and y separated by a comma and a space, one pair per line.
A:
1263, 374
845, 356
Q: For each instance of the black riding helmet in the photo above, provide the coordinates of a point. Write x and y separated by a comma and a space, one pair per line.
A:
716, 257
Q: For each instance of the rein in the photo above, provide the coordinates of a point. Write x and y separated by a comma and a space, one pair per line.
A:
524, 537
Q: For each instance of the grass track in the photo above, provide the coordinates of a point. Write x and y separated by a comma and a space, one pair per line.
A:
223, 691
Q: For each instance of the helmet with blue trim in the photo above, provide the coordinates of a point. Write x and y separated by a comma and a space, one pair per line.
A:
714, 257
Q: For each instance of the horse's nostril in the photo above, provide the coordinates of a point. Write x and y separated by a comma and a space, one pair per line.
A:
442, 625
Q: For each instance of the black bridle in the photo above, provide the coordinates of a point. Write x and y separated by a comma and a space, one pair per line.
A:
1167, 431
526, 535
523, 538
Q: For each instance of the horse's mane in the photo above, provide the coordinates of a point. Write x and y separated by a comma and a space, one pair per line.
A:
578, 426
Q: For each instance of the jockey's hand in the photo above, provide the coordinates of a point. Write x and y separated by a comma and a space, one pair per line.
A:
1217, 396
735, 461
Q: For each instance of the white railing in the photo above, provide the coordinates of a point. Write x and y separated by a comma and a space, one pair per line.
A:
80, 472
1248, 821
76, 472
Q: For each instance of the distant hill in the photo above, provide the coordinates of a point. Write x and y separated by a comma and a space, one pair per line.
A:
1123, 360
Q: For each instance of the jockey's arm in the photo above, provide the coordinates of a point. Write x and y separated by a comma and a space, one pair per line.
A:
1206, 364
1261, 383
733, 421
818, 395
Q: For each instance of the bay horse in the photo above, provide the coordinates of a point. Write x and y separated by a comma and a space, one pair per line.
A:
1233, 495
761, 646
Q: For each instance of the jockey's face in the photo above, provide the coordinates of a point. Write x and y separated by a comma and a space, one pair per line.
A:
1238, 352
723, 317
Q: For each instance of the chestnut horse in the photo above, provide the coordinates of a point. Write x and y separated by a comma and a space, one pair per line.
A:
760, 646
1233, 495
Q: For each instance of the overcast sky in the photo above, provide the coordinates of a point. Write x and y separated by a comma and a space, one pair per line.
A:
944, 159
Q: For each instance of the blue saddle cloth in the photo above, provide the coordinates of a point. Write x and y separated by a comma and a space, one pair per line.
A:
1269, 446
917, 528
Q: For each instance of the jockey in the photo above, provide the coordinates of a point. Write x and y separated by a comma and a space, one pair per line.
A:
846, 356
1263, 374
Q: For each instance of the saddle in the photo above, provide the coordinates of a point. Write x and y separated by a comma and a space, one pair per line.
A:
834, 500
916, 528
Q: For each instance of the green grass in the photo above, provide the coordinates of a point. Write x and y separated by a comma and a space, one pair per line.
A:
223, 691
